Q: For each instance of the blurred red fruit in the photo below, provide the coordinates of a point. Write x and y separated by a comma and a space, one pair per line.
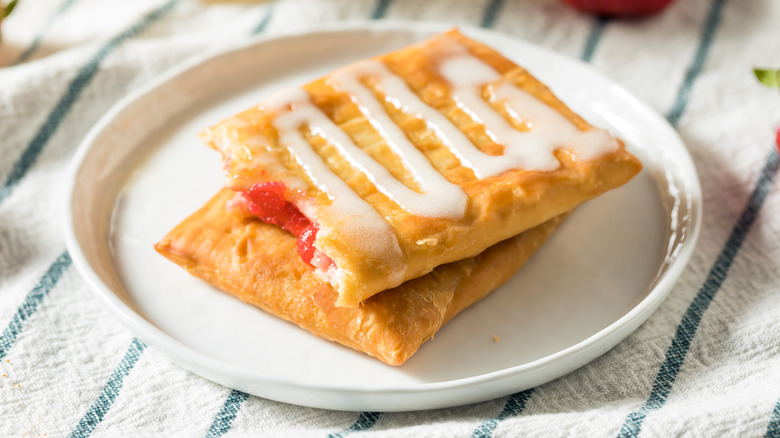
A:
621, 8
777, 139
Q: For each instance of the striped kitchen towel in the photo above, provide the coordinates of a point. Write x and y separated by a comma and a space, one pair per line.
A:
705, 363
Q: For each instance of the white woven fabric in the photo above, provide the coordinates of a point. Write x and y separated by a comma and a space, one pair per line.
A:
70, 369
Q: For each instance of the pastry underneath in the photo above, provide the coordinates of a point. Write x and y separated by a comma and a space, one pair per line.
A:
258, 263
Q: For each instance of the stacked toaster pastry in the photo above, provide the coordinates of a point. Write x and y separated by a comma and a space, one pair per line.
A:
372, 205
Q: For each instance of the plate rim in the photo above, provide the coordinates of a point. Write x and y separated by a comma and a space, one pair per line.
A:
177, 351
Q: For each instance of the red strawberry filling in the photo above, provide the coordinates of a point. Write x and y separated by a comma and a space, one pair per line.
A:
777, 138
266, 201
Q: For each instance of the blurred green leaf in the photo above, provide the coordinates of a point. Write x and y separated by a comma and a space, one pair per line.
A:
768, 77
10, 8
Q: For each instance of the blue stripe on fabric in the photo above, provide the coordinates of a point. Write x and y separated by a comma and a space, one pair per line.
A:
365, 421
675, 355
515, 405
708, 34
381, 9
773, 428
224, 418
490, 14
594, 37
31, 302
266, 19
103, 403
75, 88
37, 41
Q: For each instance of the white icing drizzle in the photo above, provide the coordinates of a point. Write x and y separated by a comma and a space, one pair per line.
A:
457, 142
440, 198
549, 130
367, 230
444, 199
469, 77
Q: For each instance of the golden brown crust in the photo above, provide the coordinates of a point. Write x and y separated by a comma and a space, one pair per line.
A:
258, 263
499, 207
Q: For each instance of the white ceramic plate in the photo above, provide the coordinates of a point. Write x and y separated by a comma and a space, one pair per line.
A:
141, 170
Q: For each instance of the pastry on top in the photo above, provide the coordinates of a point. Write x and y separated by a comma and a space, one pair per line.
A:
392, 166
257, 262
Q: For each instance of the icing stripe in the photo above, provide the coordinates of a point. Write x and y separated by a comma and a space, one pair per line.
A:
441, 198
451, 137
523, 150
549, 130
289, 123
